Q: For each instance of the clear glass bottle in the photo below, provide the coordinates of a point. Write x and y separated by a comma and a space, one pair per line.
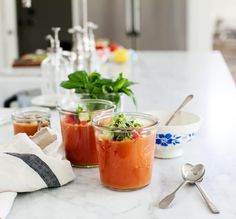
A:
54, 68
92, 58
77, 53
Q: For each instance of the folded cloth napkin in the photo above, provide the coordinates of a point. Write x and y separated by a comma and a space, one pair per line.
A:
31, 163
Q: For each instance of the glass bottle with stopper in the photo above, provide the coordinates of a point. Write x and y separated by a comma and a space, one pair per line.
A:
92, 61
78, 55
54, 68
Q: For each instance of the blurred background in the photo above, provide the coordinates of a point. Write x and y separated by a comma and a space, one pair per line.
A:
160, 25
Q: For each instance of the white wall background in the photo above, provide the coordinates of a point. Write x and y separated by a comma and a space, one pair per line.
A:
223, 9
199, 33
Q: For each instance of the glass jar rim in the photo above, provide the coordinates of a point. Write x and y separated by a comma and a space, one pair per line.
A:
108, 94
154, 122
111, 105
23, 114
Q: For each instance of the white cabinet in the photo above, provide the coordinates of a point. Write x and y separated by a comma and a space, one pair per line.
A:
8, 33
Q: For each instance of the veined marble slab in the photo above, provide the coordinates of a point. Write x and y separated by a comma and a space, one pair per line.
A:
165, 78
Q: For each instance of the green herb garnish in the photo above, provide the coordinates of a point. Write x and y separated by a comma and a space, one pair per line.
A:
98, 87
127, 128
82, 115
79, 109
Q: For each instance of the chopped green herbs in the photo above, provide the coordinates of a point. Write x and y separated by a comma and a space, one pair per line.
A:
83, 115
127, 128
98, 87
79, 109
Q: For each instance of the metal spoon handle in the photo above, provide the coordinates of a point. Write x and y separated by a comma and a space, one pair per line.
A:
210, 204
165, 202
186, 100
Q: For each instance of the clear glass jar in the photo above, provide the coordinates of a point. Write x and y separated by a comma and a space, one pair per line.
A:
77, 132
29, 120
125, 163
116, 98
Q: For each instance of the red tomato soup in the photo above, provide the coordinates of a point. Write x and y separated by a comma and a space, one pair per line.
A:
29, 120
79, 142
29, 128
126, 164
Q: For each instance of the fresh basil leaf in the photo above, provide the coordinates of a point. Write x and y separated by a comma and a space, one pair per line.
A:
104, 81
94, 76
76, 76
119, 84
97, 90
134, 102
129, 83
69, 84
106, 89
127, 91
83, 77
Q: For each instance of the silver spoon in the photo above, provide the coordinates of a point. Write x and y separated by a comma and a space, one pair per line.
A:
190, 174
186, 100
188, 178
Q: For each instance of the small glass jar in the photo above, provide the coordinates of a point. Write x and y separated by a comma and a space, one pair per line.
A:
29, 120
77, 132
125, 155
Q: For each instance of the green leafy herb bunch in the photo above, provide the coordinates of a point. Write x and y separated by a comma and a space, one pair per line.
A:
98, 87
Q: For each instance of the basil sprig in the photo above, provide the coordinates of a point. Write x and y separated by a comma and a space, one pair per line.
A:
97, 86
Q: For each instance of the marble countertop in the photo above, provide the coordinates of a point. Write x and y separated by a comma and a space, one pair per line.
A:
165, 78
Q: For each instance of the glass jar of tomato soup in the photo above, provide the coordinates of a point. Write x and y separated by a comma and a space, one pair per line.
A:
125, 146
77, 131
29, 120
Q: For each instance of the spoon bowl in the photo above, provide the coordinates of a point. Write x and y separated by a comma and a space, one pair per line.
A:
193, 173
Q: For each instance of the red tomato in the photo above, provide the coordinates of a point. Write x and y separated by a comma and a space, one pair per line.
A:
71, 119
135, 134
99, 47
113, 47
83, 123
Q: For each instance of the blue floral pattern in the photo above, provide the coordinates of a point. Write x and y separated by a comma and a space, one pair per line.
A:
169, 139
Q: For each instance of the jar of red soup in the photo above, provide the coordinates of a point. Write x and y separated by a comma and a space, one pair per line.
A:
77, 131
125, 146
29, 120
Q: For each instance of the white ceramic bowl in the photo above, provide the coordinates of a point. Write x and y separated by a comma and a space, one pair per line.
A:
171, 139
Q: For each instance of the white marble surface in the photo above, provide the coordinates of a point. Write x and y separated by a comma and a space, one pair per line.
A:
165, 79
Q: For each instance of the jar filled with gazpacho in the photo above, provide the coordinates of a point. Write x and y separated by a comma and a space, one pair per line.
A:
29, 120
125, 146
77, 131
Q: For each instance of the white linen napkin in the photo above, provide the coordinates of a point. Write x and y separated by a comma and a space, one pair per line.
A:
31, 163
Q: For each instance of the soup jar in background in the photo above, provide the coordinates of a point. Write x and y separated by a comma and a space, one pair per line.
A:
29, 120
125, 155
77, 131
